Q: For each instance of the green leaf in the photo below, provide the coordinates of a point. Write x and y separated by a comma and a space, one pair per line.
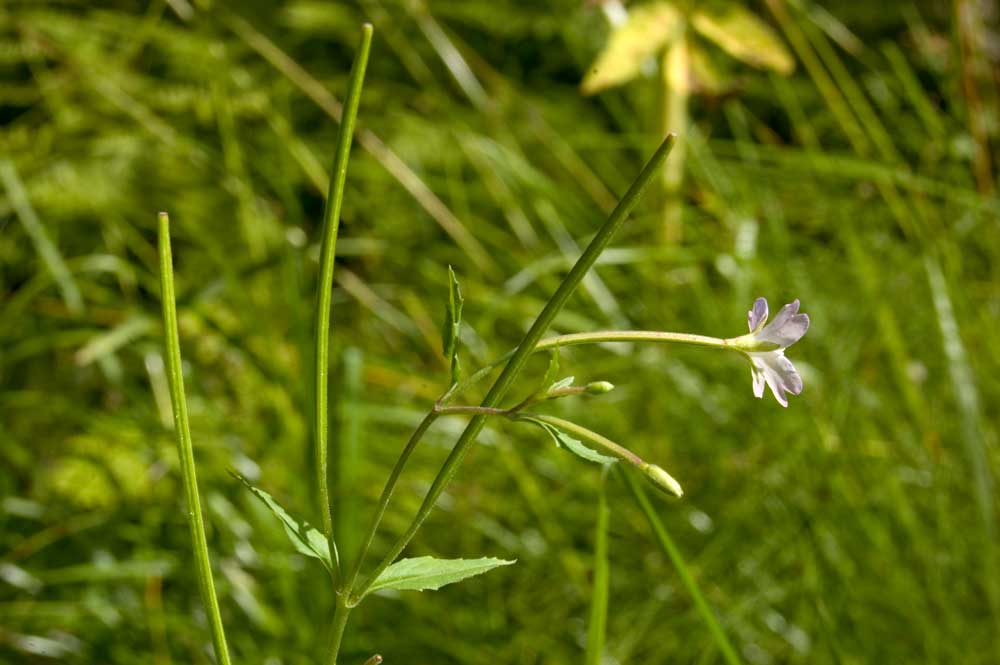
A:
427, 572
306, 539
452, 324
649, 28
575, 446
742, 35
552, 369
561, 383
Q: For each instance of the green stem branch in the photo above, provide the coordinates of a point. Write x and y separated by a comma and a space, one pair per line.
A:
522, 353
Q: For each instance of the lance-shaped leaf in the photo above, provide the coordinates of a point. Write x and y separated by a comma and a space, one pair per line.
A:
742, 35
305, 538
649, 28
427, 572
452, 324
575, 446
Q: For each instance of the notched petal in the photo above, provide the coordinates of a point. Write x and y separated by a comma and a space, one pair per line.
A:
757, 316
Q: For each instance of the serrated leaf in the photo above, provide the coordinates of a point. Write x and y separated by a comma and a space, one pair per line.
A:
306, 539
739, 32
452, 324
427, 572
649, 28
575, 446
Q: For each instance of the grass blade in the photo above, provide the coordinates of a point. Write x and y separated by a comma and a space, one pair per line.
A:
602, 577
670, 549
43, 244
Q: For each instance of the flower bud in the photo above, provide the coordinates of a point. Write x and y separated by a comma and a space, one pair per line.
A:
599, 387
663, 480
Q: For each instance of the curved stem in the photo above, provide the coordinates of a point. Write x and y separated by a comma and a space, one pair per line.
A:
599, 337
185, 448
605, 444
522, 353
605, 336
331, 223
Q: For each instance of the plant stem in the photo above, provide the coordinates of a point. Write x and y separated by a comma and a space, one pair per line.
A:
606, 444
668, 546
604, 336
331, 223
185, 448
340, 615
383, 501
524, 351
599, 337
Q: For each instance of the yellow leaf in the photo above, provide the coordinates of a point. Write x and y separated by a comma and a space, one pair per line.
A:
745, 37
648, 28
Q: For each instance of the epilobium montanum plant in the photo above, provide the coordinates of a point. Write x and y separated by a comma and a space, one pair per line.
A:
764, 346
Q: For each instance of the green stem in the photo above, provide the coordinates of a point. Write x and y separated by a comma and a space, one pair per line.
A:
185, 448
605, 444
601, 337
523, 352
383, 501
605, 336
331, 223
668, 546
340, 615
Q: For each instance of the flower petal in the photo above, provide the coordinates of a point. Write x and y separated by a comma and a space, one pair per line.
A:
757, 316
778, 373
787, 327
757, 373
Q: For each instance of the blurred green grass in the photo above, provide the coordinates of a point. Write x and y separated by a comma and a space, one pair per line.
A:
857, 526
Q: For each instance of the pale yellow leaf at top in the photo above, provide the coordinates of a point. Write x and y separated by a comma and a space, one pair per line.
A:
649, 28
745, 37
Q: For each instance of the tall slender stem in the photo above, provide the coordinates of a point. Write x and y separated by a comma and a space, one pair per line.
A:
331, 223
185, 448
524, 351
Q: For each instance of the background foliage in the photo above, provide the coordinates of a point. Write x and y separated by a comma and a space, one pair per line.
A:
857, 526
